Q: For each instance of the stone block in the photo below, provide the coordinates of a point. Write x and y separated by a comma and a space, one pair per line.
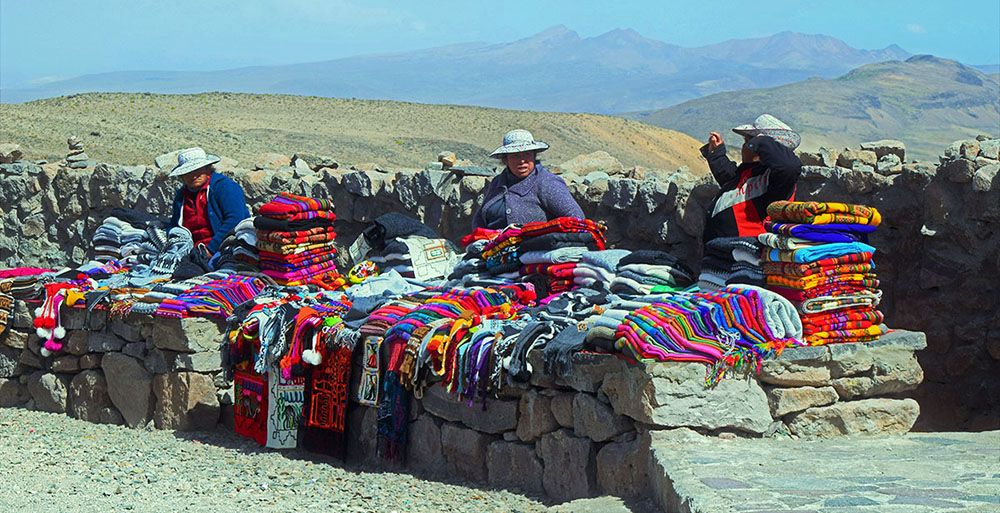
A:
990, 149
48, 391
128, 329
130, 387
76, 343
159, 361
185, 401
598, 161
958, 171
789, 400
569, 465
806, 366
514, 465
864, 417
497, 417
77, 319
852, 159
193, 335
465, 451
597, 421
623, 467
90, 361
208, 361
66, 364
16, 339
886, 147
23, 317
271, 161
13, 393
423, 451
100, 342
562, 408
674, 394
535, 417
89, 399
27, 359
9, 359
362, 429
985, 178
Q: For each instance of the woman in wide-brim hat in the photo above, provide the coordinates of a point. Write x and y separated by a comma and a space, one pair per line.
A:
209, 204
524, 191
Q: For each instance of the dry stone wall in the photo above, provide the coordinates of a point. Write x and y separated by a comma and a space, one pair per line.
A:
938, 260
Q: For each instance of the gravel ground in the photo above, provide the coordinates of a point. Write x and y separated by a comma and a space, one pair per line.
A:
51, 463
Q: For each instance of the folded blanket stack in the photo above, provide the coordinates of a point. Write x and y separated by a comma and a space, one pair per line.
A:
216, 298
295, 241
731, 261
817, 256
547, 254
597, 269
646, 272
116, 239
417, 257
238, 251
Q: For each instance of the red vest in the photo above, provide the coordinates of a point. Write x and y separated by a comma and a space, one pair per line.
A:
194, 214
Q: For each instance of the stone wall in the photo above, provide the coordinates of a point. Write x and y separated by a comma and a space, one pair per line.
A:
938, 258
583, 436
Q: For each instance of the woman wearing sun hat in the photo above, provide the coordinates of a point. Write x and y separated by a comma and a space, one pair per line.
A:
524, 191
209, 204
769, 172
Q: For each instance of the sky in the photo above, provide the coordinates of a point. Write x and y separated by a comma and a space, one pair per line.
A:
44, 40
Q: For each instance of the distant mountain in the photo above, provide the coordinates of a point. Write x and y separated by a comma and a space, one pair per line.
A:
926, 102
555, 70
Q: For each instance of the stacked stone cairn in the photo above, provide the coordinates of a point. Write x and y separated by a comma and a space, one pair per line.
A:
76, 158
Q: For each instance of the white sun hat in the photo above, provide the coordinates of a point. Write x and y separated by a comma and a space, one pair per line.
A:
516, 141
192, 159
768, 125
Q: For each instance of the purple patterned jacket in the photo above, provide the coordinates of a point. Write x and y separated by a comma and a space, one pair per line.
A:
540, 196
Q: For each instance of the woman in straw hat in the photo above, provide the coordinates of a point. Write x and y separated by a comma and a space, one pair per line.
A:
525, 191
209, 204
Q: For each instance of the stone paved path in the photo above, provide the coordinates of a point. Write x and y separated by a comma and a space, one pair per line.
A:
916, 473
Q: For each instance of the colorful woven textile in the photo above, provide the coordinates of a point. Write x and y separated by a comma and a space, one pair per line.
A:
288, 206
813, 212
216, 298
821, 252
833, 232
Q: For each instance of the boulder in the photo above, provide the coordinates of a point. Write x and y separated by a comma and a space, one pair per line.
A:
185, 401
990, 149
587, 163
315, 162
423, 451
864, 417
208, 361
499, 415
89, 399
889, 165
958, 170
192, 335
9, 152
130, 387
886, 147
886, 366
101, 342
90, 361
535, 417
673, 394
823, 157
465, 451
129, 331
594, 505
852, 159
76, 343
623, 467
271, 161
596, 420
13, 393
9, 358
66, 364
795, 367
48, 391
16, 339
985, 178
789, 400
514, 465
969, 149
561, 405
569, 465
166, 161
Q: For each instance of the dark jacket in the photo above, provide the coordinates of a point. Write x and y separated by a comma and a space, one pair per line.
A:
741, 205
540, 196
227, 206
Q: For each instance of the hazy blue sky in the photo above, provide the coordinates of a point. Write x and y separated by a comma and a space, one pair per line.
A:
49, 39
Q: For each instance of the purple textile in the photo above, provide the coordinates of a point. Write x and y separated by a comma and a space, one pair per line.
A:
824, 232
541, 196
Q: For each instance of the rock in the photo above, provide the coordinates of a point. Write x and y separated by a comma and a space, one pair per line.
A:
185, 401
562, 409
447, 158
9, 358
990, 149
883, 367
465, 451
363, 426
90, 361
864, 417
623, 467
89, 399
889, 165
886, 147
26, 359
48, 391
621, 194
590, 162
15, 339
66, 364
958, 171
136, 350
101, 342
673, 394
535, 417
79, 157
77, 319
12, 393
985, 178
790, 400
158, 361
271, 161
514, 465
795, 367
969, 149
498, 417
637, 173
851, 159
192, 335
76, 343
569, 465
424, 448
595, 176
130, 388
9, 152
596, 420
129, 331
208, 361
167, 161
595, 505
824, 157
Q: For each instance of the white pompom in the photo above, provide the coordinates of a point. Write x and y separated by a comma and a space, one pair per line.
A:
60, 332
45, 352
38, 312
312, 357
43, 333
